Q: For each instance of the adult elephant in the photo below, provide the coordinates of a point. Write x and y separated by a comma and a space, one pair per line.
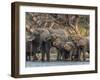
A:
45, 44
35, 43
41, 42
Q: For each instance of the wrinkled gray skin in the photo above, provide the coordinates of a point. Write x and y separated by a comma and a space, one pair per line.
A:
82, 46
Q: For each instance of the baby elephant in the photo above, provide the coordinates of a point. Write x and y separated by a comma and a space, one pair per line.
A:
65, 49
69, 48
82, 47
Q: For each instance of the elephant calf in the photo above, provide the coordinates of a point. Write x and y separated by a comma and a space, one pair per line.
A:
82, 45
65, 49
69, 47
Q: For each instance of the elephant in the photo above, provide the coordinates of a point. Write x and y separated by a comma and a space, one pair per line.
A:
69, 48
59, 46
65, 49
82, 46
35, 43
58, 39
45, 45
41, 42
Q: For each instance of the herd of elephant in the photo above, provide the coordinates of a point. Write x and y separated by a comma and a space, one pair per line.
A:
68, 47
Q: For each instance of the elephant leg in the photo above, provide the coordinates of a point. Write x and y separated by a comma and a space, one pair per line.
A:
74, 54
48, 56
43, 56
84, 57
47, 47
63, 54
58, 55
70, 55
79, 54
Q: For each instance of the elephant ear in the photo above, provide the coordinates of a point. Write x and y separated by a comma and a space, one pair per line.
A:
30, 38
33, 35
